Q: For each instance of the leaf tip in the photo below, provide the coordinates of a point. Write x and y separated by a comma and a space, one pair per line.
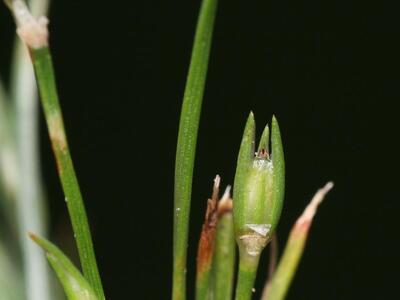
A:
33, 236
311, 209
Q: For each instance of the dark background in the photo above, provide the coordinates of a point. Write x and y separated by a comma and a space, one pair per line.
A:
327, 69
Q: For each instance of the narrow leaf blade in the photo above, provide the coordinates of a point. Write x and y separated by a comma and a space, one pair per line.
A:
75, 285
186, 145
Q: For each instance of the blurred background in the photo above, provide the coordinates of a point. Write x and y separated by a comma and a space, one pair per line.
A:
327, 69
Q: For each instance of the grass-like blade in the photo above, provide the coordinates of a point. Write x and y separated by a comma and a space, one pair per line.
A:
47, 87
186, 145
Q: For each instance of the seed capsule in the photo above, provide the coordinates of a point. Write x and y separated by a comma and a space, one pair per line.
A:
259, 187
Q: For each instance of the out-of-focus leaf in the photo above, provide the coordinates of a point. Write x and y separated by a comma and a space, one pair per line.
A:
10, 279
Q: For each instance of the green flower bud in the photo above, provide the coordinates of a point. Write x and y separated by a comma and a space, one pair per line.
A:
259, 188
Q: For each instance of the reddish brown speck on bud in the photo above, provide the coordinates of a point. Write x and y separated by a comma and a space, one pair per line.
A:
263, 153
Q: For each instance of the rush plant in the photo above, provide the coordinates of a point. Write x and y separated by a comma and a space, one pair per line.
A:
246, 221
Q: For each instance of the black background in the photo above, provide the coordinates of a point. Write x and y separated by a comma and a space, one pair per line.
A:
327, 69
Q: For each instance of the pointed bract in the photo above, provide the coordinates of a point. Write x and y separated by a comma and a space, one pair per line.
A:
244, 164
75, 285
246, 153
278, 162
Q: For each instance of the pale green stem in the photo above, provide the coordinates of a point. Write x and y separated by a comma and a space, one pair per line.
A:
30, 206
11, 287
8, 158
30, 201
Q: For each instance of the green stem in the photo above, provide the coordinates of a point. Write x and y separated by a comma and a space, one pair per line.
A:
47, 87
186, 145
224, 258
280, 283
248, 266
203, 284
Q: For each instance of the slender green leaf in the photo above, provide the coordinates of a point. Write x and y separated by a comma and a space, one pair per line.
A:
186, 145
75, 285
34, 34
47, 88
